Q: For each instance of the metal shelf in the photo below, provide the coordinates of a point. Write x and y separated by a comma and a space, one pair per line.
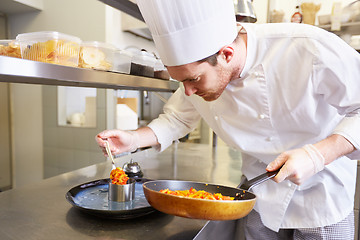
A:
17, 70
352, 28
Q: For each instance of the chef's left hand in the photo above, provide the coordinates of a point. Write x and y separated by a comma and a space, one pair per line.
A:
297, 165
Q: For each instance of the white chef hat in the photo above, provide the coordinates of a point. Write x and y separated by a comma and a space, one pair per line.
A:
186, 31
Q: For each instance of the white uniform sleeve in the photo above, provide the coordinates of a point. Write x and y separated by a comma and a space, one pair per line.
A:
338, 66
179, 118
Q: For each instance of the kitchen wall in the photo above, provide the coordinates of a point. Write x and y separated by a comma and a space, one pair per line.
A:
5, 166
41, 148
5, 150
26, 134
261, 9
82, 18
66, 147
27, 117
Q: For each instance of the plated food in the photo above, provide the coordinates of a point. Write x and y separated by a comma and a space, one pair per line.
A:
118, 176
193, 193
121, 187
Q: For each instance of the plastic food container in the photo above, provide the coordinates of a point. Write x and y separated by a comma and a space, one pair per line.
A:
10, 48
160, 70
309, 11
355, 42
142, 64
122, 61
324, 19
97, 55
50, 47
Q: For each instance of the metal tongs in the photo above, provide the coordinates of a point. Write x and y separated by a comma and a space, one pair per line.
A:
107, 147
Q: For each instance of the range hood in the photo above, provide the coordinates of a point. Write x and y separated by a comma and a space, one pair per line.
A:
244, 13
130, 7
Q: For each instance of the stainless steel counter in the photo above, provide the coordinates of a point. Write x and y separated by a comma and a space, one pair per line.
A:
41, 211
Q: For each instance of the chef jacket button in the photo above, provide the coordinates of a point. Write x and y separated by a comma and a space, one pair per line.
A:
216, 118
269, 139
261, 116
289, 184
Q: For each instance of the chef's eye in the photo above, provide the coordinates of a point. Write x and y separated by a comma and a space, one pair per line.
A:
195, 79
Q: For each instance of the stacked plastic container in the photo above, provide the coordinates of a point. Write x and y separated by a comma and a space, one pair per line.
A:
10, 48
122, 61
50, 47
97, 55
63, 49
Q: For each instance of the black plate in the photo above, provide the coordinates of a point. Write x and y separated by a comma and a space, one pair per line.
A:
92, 198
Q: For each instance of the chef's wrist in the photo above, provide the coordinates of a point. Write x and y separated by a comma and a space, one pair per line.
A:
315, 156
135, 141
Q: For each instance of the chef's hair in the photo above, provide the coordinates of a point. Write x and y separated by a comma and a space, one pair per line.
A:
212, 59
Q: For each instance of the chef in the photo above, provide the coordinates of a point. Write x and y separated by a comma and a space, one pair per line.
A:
286, 95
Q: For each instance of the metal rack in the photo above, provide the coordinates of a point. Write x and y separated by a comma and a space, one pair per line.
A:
352, 28
17, 70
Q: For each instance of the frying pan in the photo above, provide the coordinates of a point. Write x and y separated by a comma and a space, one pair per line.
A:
217, 210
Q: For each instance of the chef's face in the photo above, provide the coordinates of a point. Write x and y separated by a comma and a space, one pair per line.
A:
202, 78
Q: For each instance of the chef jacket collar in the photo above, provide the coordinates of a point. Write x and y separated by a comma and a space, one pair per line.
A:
250, 49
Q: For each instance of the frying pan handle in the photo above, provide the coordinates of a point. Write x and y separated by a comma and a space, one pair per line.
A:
248, 184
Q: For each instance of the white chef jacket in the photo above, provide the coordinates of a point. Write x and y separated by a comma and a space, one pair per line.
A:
299, 85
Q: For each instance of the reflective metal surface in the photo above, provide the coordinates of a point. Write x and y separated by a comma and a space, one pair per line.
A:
133, 169
122, 193
92, 198
25, 71
40, 211
245, 11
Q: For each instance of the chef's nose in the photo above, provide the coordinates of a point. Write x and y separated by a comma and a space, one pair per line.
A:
189, 89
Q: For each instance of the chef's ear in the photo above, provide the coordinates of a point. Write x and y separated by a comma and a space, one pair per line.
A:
227, 53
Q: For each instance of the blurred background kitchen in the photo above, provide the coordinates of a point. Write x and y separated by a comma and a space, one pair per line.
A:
47, 129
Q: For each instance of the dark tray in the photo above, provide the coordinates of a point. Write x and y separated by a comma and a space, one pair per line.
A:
92, 198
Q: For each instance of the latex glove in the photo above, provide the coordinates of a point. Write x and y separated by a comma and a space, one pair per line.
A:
297, 165
120, 141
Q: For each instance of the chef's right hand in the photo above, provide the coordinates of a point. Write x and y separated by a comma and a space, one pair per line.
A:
120, 141
298, 165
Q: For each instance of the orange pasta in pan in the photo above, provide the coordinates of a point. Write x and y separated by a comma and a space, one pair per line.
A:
193, 193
